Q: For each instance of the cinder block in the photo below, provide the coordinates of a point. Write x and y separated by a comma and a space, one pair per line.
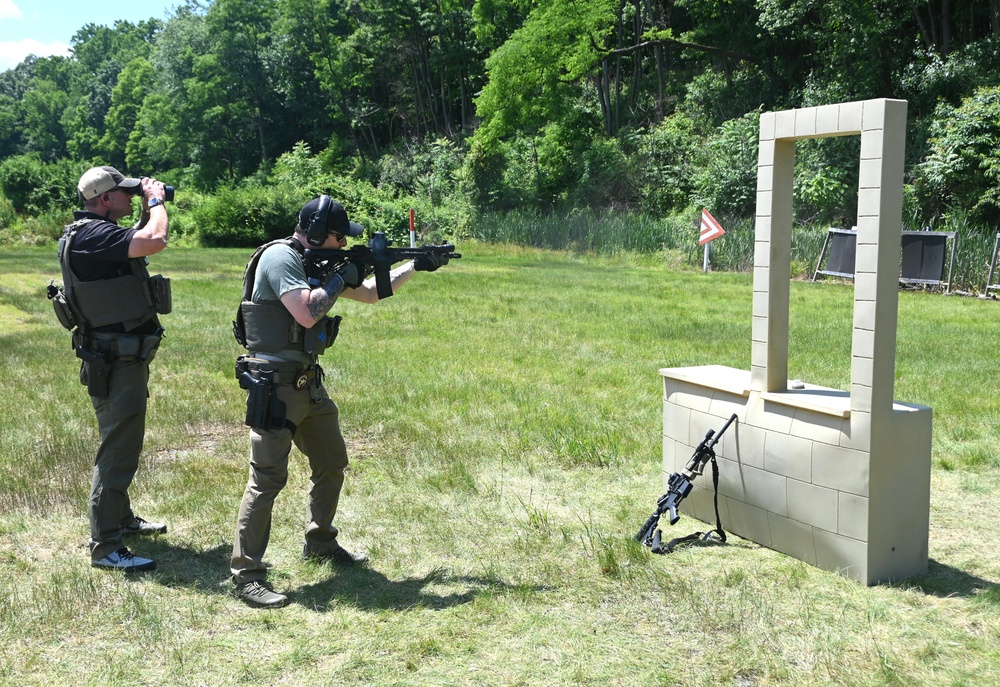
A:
749, 522
676, 422
870, 174
764, 200
788, 455
762, 229
761, 254
758, 354
792, 538
805, 122
765, 166
704, 505
765, 490
670, 386
819, 427
850, 117
863, 345
852, 520
691, 398
873, 116
862, 369
840, 468
775, 418
758, 329
812, 504
869, 202
745, 446
701, 424
827, 120
784, 125
872, 144
724, 406
731, 479
841, 554
767, 121
864, 314
859, 431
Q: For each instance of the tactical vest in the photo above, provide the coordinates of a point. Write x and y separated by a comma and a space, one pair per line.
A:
268, 327
129, 299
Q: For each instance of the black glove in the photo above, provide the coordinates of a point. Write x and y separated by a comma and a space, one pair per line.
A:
428, 262
352, 274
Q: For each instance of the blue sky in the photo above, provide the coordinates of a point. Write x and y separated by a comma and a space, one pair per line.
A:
44, 27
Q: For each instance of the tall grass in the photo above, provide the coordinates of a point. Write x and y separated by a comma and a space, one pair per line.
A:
504, 421
614, 233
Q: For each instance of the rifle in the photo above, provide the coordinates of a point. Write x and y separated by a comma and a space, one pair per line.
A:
679, 485
378, 257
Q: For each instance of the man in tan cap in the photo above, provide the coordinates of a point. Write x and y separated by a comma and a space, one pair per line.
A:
117, 331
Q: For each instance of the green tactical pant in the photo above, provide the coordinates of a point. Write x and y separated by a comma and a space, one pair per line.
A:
121, 417
317, 435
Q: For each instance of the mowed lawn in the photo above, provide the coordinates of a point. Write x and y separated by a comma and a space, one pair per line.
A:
504, 417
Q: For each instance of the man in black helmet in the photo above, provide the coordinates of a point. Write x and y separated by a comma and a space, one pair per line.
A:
116, 303
285, 329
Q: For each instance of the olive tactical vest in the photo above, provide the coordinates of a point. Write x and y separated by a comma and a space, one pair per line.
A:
268, 327
129, 299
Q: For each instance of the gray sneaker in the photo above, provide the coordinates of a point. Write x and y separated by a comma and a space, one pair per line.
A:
143, 527
124, 560
258, 594
337, 556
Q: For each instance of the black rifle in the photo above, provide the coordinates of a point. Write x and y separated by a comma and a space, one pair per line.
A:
679, 485
378, 257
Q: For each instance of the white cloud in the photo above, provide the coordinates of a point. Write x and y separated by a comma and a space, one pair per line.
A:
8, 10
13, 53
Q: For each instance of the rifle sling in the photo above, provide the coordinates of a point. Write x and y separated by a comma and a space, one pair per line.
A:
658, 547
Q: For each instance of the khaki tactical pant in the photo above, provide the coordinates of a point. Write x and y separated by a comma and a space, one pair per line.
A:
317, 435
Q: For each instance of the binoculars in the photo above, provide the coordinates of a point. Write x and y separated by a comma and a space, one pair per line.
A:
168, 192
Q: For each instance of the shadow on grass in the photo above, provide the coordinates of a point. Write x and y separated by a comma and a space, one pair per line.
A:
364, 587
181, 566
945, 581
370, 589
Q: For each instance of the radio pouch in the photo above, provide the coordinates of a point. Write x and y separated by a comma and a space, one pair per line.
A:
159, 287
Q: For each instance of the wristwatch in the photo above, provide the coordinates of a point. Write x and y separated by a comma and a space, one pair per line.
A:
153, 202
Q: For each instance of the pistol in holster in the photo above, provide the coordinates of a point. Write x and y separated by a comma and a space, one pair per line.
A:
264, 409
95, 371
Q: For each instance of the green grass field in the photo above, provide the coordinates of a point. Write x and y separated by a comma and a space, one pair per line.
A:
504, 416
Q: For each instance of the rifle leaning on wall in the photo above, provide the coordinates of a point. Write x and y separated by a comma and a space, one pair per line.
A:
678, 487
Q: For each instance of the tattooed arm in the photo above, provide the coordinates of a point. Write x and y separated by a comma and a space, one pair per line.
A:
309, 306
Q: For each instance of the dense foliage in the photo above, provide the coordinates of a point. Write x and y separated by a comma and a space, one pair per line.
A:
461, 107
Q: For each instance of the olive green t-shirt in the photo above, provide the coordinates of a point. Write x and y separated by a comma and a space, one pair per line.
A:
279, 271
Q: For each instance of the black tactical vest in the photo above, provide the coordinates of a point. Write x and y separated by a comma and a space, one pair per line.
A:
130, 299
268, 327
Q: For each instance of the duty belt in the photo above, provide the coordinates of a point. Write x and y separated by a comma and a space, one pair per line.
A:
292, 374
123, 347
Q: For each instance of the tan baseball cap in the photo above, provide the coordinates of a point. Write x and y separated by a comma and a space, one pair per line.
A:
98, 180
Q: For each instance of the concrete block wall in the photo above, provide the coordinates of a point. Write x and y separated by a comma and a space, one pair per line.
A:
840, 479
790, 480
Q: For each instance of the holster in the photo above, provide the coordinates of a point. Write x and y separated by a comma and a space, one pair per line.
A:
95, 371
264, 409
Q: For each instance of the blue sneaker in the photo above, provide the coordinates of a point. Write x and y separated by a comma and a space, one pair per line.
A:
124, 560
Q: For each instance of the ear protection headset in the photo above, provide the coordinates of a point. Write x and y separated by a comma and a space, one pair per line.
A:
316, 232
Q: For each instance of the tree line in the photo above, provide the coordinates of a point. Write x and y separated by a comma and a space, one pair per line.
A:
471, 106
